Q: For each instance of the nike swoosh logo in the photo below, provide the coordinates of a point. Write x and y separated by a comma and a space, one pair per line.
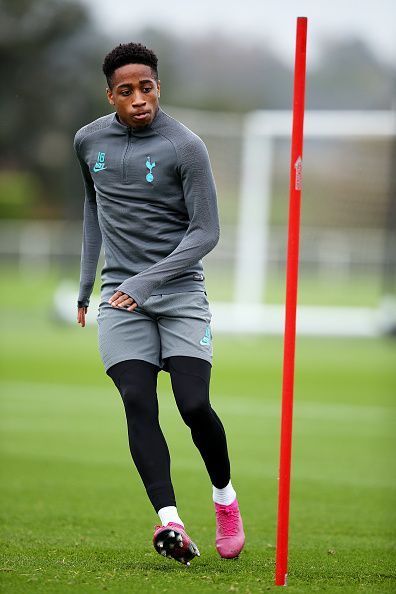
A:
98, 168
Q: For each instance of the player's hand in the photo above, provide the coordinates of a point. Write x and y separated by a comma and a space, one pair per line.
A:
120, 299
81, 315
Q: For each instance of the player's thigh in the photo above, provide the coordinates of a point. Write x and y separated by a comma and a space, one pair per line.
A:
124, 335
184, 326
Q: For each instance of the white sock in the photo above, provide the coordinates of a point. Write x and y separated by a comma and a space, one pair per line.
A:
224, 496
169, 514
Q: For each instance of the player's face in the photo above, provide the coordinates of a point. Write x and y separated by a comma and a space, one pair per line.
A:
135, 94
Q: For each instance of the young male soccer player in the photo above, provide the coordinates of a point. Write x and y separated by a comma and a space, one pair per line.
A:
150, 197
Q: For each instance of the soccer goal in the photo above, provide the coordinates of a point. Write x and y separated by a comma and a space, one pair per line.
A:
345, 220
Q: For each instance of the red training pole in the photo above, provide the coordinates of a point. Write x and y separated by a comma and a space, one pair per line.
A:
291, 305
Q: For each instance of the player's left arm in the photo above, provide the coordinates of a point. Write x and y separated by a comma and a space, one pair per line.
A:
201, 236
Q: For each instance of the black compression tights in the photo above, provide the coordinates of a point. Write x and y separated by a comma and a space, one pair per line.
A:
136, 381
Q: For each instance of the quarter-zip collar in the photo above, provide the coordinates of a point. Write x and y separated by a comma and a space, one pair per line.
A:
139, 131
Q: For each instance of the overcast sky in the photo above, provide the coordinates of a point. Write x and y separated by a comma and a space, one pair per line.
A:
272, 21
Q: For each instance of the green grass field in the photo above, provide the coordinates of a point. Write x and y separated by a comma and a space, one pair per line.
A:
74, 514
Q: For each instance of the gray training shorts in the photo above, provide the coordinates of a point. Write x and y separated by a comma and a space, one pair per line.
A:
164, 326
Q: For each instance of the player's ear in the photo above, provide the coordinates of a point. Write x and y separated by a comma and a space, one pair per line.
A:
158, 88
109, 94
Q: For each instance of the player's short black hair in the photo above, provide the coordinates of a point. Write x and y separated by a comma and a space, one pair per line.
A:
129, 53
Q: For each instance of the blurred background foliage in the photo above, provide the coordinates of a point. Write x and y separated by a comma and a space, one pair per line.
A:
53, 84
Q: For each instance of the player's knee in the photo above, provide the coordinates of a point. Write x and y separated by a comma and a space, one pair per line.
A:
194, 410
133, 396
136, 383
193, 401
194, 413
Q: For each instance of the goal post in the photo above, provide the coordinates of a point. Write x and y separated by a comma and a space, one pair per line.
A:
261, 130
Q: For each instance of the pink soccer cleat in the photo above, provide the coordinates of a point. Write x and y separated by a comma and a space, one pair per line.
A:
173, 541
230, 536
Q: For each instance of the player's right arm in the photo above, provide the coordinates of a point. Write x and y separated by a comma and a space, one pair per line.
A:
92, 236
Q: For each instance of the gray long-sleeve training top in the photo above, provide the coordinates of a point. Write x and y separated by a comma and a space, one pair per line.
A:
150, 197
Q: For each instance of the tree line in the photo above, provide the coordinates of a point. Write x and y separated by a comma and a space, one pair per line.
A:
51, 57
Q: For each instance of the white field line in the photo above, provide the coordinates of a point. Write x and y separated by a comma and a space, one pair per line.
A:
239, 406
368, 418
259, 469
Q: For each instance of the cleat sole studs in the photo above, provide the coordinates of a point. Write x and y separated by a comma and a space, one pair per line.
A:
172, 543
